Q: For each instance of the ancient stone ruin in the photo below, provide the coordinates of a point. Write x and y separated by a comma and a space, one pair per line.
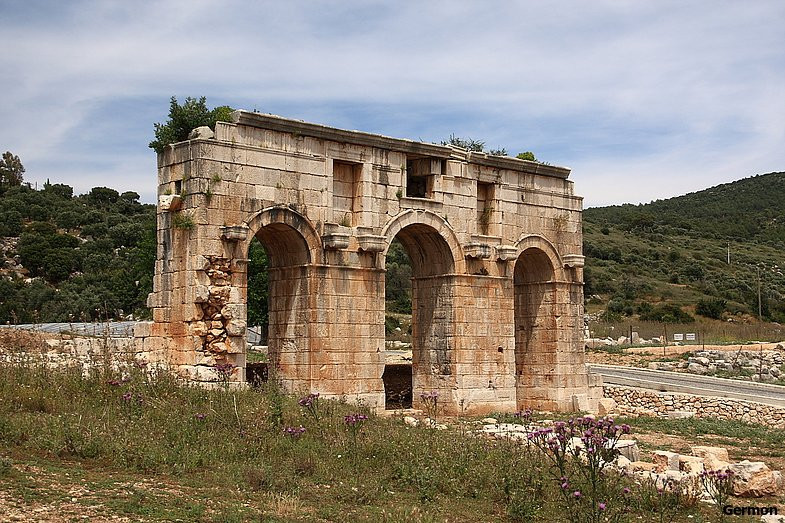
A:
495, 245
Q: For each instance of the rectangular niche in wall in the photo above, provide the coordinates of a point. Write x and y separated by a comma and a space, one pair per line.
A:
485, 208
420, 174
346, 178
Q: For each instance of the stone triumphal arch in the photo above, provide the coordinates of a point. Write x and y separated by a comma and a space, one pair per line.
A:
495, 246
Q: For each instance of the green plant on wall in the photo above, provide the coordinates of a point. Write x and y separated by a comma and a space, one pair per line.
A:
485, 220
182, 221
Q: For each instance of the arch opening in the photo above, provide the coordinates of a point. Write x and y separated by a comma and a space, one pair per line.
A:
276, 298
431, 270
535, 321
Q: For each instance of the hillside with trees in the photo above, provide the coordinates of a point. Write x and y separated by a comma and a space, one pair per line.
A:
74, 258
668, 260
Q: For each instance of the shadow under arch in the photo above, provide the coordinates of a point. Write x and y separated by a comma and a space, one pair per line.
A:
428, 239
536, 326
436, 257
279, 229
540, 243
292, 246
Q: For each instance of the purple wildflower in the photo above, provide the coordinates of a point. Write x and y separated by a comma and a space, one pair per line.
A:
354, 419
294, 432
307, 401
601, 506
200, 416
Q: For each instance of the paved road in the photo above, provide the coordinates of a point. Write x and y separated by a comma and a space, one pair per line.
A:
667, 381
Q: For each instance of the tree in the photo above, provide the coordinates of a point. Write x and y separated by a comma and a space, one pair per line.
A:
258, 292
528, 155
103, 196
184, 118
465, 143
11, 170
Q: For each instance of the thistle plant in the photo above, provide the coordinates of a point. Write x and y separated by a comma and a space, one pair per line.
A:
525, 416
310, 404
294, 433
718, 484
430, 402
354, 424
224, 372
580, 449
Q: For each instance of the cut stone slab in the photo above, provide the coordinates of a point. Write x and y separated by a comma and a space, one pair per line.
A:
718, 453
643, 466
691, 464
606, 406
754, 479
629, 449
665, 460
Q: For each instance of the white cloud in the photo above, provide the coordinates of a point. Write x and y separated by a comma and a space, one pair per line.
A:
643, 100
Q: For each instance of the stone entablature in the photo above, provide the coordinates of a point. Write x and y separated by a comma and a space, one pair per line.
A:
495, 244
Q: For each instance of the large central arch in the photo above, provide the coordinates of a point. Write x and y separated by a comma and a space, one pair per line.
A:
433, 278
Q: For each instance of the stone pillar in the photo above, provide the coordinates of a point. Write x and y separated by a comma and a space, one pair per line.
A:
485, 344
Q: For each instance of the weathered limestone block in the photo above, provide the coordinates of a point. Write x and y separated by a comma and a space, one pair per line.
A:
629, 449
691, 464
755, 479
665, 460
717, 453
203, 133
606, 406
236, 327
642, 466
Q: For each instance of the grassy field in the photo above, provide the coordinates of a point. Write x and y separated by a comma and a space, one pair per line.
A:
136, 444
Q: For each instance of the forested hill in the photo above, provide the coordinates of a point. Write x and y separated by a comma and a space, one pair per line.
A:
668, 259
752, 209
74, 258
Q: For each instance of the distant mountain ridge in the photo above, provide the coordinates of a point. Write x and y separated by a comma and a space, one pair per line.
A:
748, 209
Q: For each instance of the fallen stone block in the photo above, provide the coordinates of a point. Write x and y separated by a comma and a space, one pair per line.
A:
606, 406
629, 449
754, 479
718, 453
642, 466
691, 464
665, 460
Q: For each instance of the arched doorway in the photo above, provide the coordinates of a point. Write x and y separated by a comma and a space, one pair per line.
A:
536, 334
432, 274
282, 238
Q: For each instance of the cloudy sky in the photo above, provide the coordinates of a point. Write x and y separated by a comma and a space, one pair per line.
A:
642, 99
